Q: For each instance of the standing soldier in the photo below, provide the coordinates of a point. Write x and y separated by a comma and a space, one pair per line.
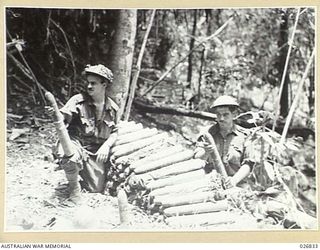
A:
229, 139
91, 121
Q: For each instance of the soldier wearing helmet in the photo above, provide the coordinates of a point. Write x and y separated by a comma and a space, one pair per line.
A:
230, 141
91, 120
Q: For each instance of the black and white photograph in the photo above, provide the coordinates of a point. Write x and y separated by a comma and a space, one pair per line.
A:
160, 120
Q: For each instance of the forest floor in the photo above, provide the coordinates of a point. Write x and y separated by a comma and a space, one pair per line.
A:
36, 188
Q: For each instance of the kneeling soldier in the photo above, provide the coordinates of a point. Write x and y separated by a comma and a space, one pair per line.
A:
91, 121
229, 140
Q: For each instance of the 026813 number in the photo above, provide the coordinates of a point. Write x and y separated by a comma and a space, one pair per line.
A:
308, 245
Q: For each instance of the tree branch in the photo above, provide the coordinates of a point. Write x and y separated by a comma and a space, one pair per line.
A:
296, 99
27, 73
218, 31
277, 110
29, 69
68, 45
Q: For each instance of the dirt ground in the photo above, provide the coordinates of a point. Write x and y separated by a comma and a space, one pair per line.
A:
35, 191
36, 188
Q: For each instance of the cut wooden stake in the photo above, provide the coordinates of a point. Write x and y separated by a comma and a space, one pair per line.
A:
172, 159
197, 208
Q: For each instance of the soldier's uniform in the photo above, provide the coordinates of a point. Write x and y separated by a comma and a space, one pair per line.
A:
231, 148
88, 134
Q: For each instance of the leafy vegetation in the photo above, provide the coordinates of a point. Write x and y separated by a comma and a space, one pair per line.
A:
198, 55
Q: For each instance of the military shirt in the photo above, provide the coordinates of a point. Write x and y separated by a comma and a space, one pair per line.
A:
84, 126
231, 148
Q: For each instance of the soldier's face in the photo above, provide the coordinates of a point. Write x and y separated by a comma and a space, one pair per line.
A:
224, 117
95, 85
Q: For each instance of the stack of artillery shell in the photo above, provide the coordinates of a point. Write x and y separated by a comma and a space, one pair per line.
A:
177, 179
133, 142
186, 199
156, 156
203, 219
168, 170
167, 176
130, 147
197, 208
182, 188
166, 161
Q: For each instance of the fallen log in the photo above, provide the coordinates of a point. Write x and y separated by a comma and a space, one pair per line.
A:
175, 169
185, 199
151, 108
128, 148
172, 159
129, 128
192, 175
207, 219
156, 156
198, 208
135, 136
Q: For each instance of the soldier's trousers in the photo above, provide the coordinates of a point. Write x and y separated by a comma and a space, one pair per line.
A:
93, 174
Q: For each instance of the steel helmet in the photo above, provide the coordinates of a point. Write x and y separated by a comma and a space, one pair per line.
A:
224, 100
100, 70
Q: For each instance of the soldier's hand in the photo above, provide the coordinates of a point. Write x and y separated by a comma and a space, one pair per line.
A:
199, 152
229, 183
103, 153
49, 110
207, 147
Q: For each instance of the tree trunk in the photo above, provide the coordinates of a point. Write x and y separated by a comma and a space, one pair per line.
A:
200, 73
121, 56
311, 92
284, 103
194, 27
138, 66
